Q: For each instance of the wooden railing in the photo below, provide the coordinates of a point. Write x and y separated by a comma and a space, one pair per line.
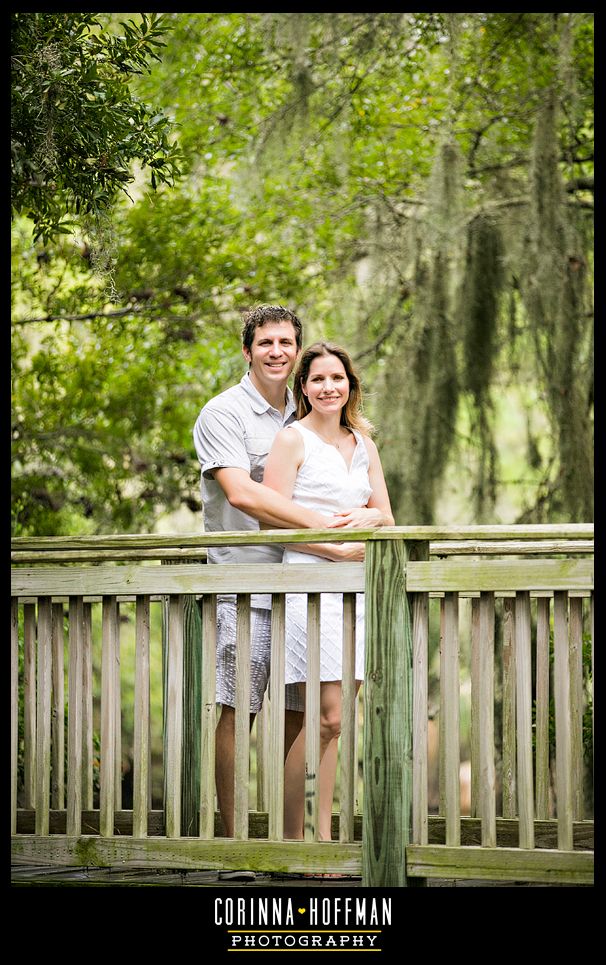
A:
521, 582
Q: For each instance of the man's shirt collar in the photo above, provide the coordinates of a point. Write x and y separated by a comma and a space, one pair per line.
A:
260, 404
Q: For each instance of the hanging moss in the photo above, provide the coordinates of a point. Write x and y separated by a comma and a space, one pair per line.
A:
554, 293
479, 304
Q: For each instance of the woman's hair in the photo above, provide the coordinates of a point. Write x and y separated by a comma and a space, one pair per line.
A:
351, 413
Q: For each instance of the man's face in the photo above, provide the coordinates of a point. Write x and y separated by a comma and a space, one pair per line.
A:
272, 355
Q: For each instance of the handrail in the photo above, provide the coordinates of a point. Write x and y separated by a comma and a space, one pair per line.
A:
571, 531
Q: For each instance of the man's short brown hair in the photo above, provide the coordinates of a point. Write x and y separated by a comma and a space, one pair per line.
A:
257, 317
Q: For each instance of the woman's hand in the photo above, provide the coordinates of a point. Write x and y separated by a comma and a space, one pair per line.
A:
362, 518
349, 552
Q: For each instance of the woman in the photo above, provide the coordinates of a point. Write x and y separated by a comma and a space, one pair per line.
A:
325, 461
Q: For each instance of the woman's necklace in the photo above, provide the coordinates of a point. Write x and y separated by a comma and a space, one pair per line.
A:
328, 441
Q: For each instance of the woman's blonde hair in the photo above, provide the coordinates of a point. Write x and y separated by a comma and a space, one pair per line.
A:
351, 413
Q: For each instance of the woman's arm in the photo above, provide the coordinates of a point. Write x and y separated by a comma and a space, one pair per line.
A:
377, 511
283, 462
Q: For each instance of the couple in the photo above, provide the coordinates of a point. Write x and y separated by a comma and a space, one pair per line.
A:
301, 459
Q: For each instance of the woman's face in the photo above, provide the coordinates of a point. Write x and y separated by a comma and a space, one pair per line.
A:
327, 385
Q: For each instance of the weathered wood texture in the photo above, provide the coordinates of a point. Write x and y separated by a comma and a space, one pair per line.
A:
546, 832
399, 581
388, 717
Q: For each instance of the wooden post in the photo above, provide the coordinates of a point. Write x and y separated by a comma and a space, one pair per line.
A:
387, 717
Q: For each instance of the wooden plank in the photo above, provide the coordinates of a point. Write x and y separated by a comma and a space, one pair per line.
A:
478, 575
542, 710
118, 720
546, 832
14, 709
348, 760
242, 718
487, 788
43, 714
441, 719
475, 706
524, 719
388, 717
186, 578
420, 644
509, 782
87, 707
546, 547
484, 532
141, 750
576, 705
312, 721
449, 669
174, 716
277, 710
262, 749
74, 715
561, 669
188, 853
107, 774
501, 864
29, 704
58, 709
208, 717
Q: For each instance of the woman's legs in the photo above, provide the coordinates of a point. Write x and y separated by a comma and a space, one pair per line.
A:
294, 769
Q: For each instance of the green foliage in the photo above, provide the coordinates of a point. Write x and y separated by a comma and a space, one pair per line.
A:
367, 169
75, 124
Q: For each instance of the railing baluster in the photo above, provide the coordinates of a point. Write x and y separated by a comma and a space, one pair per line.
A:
74, 717
562, 720
58, 711
29, 704
508, 657
449, 670
242, 717
174, 719
141, 776
43, 715
524, 719
14, 709
208, 716
312, 720
420, 642
576, 704
118, 719
276, 733
87, 707
475, 706
262, 745
542, 710
348, 700
487, 801
107, 776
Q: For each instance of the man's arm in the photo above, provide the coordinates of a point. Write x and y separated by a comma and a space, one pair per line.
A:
265, 504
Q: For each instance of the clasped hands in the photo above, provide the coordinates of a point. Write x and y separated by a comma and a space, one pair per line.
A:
359, 518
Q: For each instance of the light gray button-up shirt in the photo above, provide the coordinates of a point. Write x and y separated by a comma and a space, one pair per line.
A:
235, 430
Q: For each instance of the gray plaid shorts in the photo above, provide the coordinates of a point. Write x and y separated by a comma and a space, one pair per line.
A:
260, 655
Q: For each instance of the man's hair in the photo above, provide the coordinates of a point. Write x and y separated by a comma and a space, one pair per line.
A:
351, 413
258, 316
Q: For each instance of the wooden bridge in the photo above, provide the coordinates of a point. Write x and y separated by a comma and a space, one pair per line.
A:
516, 601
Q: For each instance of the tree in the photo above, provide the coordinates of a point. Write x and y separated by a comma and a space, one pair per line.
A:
402, 181
75, 125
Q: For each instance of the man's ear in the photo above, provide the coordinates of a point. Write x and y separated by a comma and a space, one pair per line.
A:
246, 354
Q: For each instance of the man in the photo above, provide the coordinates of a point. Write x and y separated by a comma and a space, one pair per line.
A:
233, 435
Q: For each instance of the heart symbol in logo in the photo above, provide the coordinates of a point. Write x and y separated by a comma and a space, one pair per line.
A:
301, 911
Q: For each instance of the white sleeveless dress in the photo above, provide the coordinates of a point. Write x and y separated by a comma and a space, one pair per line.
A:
324, 483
